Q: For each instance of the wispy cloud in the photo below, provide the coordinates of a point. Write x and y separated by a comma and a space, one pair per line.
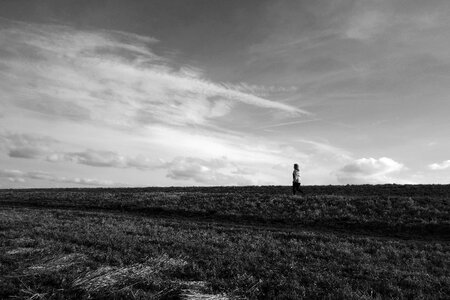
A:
23, 176
210, 172
367, 25
288, 123
262, 90
370, 20
110, 77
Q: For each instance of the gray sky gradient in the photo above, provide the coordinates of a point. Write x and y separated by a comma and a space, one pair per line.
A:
138, 93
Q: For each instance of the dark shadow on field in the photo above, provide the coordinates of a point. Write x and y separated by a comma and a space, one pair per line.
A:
425, 232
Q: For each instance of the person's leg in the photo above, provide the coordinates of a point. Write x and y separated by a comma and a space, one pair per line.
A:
300, 189
297, 187
293, 188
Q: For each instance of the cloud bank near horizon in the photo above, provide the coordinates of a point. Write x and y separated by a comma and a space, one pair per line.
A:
23, 176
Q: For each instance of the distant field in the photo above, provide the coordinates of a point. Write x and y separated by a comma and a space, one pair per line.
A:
338, 242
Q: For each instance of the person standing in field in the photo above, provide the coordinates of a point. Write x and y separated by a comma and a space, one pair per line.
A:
296, 180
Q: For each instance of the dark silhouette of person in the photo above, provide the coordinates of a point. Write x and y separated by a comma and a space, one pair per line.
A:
296, 181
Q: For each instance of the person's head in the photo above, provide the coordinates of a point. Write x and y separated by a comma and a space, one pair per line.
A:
296, 166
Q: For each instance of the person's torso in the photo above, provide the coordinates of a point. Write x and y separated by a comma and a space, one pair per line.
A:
296, 175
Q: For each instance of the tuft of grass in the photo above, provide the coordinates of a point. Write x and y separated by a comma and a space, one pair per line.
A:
59, 263
195, 295
23, 250
107, 278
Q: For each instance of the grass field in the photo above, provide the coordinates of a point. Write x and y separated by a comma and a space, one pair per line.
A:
337, 242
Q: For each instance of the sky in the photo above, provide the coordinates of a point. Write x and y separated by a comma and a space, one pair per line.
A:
207, 92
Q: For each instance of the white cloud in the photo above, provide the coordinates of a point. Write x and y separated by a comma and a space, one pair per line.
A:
440, 166
369, 170
327, 149
22, 176
209, 144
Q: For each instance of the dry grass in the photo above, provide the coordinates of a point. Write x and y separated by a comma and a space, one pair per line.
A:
164, 262
195, 285
23, 241
59, 263
23, 250
195, 295
190, 290
106, 277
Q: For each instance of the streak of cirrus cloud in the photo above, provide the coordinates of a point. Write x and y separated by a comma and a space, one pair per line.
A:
108, 77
